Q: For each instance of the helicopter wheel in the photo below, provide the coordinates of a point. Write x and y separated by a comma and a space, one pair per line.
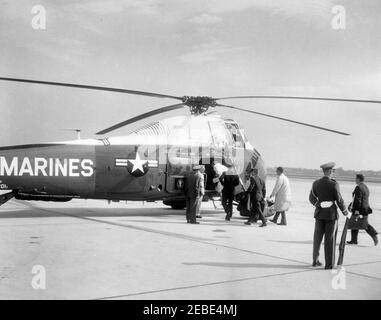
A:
178, 205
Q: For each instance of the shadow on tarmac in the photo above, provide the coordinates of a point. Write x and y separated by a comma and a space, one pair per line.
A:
40, 212
33, 210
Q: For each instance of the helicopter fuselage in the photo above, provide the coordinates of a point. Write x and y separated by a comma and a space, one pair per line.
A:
149, 164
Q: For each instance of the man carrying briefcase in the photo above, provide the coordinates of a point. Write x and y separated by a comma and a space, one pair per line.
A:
360, 210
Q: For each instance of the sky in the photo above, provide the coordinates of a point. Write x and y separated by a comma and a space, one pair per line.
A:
214, 48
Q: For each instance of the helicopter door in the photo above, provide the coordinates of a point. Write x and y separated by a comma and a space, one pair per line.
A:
237, 143
210, 173
177, 168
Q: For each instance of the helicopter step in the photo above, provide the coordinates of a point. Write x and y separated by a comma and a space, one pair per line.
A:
6, 197
42, 197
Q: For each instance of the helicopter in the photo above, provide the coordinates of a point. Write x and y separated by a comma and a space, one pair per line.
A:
151, 163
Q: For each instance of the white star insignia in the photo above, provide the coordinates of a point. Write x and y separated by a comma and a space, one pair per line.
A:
138, 163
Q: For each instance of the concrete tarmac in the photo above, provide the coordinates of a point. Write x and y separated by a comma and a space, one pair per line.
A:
92, 250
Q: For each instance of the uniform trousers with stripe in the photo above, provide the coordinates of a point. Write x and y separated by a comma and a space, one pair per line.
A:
328, 230
191, 208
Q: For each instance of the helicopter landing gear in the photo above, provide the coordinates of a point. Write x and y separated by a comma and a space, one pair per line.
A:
176, 205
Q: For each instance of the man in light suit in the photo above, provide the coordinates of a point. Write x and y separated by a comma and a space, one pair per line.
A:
282, 195
201, 173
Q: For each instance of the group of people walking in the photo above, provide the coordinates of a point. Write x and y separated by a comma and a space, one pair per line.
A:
325, 196
254, 198
229, 184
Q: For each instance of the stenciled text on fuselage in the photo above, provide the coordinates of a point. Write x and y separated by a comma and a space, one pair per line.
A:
46, 167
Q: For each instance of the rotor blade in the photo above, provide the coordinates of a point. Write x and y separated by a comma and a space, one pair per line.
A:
142, 116
284, 119
81, 86
300, 98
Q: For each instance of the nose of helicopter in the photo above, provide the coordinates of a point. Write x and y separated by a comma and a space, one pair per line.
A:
262, 170
256, 161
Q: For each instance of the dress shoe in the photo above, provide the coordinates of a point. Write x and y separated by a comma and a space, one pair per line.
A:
375, 240
263, 225
194, 222
317, 264
351, 242
199, 217
248, 223
273, 221
328, 267
227, 218
282, 224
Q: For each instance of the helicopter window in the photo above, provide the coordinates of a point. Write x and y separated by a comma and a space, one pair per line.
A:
178, 155
243, 135
238, 139
219, 134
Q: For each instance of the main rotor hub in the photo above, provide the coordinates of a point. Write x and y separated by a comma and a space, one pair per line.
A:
199, 105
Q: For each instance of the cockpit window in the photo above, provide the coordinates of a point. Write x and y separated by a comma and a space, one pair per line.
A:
237, 136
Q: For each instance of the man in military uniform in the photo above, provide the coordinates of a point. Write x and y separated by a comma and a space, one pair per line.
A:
257, 192
193, 191
325, 196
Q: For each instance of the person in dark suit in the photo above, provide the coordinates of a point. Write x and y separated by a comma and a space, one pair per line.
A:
257, 194
360, 206
325, 197
193, 189
229, 180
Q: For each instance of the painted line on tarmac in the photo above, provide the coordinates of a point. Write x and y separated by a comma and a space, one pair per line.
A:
40, 224
202, 285
363, 275
224, 282
203, 241
166, 233
176, 235
362, 263
257, 253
